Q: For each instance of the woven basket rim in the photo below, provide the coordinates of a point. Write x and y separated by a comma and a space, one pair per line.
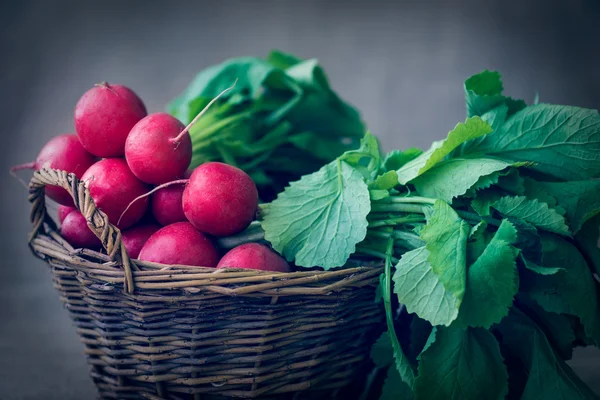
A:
116, 267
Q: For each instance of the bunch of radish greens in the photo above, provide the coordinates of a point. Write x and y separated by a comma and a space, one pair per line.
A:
490, 245
280, 121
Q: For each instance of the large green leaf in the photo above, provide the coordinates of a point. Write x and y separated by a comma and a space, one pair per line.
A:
562, 141
318, 220
491, 281
462, 364
454, 177
532, 211
472, 128
548, 376
445, 237
463, 132
570, 291
580, 199
421, 290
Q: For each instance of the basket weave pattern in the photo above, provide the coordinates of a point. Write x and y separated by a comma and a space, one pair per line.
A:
175, 332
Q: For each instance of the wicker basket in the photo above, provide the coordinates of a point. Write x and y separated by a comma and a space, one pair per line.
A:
174, 332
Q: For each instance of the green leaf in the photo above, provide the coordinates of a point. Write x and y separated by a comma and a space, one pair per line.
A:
421, 290
320, 146
534, 190
589, 240
538, 269
580, 199
366, 159
548, 376
477, 242
530, 244
394, 388
462, 364
282, 60
385, 181
491, 281
562, 141
558, 328
318, 220
496, 116
511, 180
483, 182
445, 237
572, 291
251, 73
410, 170
532, 211
454, 177
483, 92
377, 194
485, 199
395, 159
382, 353
528, 240
472, 128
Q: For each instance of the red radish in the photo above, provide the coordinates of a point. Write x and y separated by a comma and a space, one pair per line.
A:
254, 256
166, 205
220, 199
113, 186
75, 230
63, 211
134, 238
181, 244
104, 115
158, 149
65, 153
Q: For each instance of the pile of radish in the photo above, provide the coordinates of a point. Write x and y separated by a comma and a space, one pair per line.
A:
121, 152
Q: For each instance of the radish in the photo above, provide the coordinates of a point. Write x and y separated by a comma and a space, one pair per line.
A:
63, 211
76, 231
113, 186
254, 256
65, 153
104, 115
220, 199
134, 238
158, 149
180, 244
166, 205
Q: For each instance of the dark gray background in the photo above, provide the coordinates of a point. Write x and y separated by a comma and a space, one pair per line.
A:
401, 63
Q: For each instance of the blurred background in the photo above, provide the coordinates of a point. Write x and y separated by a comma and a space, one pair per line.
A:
401, 63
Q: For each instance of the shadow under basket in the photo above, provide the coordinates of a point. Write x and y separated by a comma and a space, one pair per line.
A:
155, 331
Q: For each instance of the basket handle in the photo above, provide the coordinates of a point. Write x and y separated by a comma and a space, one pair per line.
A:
97, 221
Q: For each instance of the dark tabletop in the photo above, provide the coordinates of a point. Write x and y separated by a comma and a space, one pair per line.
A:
401, 63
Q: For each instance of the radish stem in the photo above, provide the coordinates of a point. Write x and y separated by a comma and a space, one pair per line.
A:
164, 185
